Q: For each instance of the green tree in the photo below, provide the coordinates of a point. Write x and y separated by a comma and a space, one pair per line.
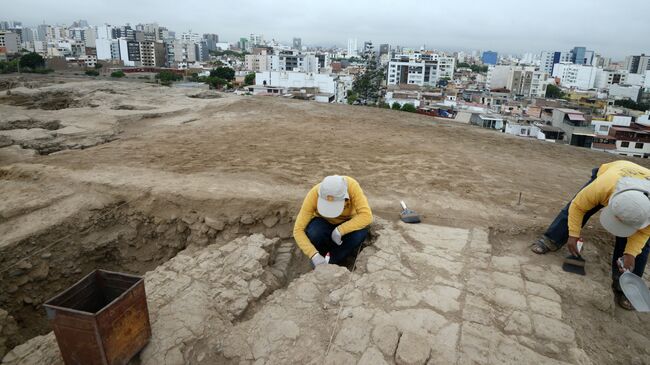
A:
216, 82
118, 74
554, 92
32, 61
249, 79
352, 97
631, 104
223, 72
396, 106
98, 65
166, 77
92, 73
367, 85
408, 107
8, 67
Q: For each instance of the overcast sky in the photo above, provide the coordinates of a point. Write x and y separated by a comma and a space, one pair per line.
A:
612, 28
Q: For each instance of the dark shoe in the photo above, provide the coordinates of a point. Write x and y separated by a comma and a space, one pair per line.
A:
542, 246
624, 303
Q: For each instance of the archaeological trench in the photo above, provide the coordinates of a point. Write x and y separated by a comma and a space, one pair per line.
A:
225, 282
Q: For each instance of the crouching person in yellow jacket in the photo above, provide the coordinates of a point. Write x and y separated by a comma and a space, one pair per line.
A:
622, 190
333, 220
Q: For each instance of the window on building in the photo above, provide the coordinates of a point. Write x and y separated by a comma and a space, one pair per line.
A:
604, 128
625, 144
638, 145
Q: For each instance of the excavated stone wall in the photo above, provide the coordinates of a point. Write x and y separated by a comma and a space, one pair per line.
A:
118, 238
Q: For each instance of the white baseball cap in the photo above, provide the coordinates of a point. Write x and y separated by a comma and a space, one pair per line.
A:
332, 193
629, 207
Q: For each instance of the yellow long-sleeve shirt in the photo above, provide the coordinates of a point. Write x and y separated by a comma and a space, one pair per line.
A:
599, 192
355, 216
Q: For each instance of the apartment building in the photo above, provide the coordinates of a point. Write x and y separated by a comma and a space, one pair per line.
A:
152, 54
576, 76
420, 69
263, 59
9, 43
528, 82
606, 78
180, 51
524, 81
637, 64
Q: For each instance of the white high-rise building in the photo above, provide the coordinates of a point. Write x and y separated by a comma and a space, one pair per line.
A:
576, 76
420, 69
353, 51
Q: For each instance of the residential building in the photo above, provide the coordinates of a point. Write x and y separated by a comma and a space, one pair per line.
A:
383, 49
256, 40
211, 41
152, 54
420, 69
576, 76
9, 43
607, 78
181, 52
637, 64
129, 52
577, 128
107, 49
290, 60
325, 84
489, 58
190, 37
403, 97
352, 48
632, 141
297, 44
488, 121
527, 82
259, 60
619, 92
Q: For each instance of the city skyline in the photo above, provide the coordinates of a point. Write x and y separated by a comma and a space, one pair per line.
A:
451, 27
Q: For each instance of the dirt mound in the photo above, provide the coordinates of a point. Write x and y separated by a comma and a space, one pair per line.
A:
206, 95
45, 100
30, 123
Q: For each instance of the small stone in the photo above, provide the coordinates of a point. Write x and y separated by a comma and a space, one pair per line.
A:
509, 298
46, 255
270, 221
546, 307
386, 338
412, 349
246, 219
552, 329
353, 336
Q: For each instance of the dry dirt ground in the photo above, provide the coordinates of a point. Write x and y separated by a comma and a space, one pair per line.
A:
198, 190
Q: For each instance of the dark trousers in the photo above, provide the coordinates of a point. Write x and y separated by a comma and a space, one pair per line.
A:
558, 232
319, 231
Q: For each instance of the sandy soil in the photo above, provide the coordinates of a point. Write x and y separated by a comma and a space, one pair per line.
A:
245, 159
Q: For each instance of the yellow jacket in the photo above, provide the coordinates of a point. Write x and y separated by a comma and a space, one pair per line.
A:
355, 216
599, 192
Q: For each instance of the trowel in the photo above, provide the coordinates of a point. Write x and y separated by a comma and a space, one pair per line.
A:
575, 264
635, 289
407, 215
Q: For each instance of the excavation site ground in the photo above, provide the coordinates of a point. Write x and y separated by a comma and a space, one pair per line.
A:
198, 191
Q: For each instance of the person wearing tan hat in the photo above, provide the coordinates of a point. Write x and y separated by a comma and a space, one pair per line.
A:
622, 190
333, 220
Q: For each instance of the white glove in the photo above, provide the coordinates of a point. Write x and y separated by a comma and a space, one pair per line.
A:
318, 259
336, 236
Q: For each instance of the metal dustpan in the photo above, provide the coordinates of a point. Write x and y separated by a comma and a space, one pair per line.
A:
636, 291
